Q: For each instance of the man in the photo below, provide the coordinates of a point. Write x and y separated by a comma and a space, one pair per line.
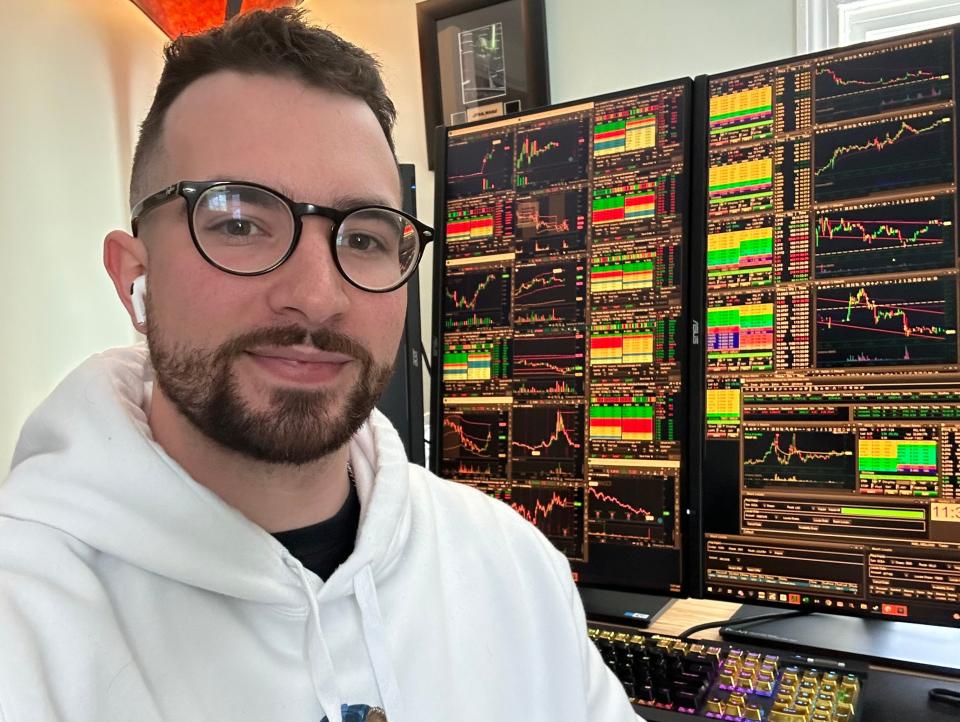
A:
220, 527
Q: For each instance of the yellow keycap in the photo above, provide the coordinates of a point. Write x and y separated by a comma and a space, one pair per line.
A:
787, 715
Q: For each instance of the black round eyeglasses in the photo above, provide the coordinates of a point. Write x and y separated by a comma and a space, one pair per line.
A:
248, 229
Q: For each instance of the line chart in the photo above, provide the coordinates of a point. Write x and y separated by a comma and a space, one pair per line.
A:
632, 509
908, 322
547, 442
549, 284
550, 214
474, 444
562, 440
556, 355
477, 299
799, 458
477, 443
555, 511
479, 166
883, 80
911, 235
906, 130
872, 156
904, 77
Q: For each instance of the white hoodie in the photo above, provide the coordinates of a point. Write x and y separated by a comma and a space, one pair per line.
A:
128, 591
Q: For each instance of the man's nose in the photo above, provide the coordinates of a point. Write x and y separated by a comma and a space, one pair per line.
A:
309, 284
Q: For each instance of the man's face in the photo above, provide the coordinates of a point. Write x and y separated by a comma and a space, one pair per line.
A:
283, 367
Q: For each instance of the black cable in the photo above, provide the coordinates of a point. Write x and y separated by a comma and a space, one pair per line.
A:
423, 356
738, 622
947, 696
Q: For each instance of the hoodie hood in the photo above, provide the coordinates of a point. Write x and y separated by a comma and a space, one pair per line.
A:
86, 463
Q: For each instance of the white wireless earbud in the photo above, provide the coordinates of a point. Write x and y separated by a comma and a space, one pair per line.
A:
138, 292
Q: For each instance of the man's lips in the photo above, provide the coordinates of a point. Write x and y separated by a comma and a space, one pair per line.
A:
300, 364
301, 354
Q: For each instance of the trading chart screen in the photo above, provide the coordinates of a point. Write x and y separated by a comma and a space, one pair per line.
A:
831, 477
560, 389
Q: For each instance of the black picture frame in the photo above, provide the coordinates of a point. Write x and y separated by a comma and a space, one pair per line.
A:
513, 71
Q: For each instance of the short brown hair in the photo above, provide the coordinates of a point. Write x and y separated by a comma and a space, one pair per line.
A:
275, 42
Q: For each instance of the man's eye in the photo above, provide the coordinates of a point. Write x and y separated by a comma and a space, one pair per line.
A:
239, 227
363, 242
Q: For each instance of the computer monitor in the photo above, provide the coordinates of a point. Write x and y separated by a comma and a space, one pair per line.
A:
402, 399
831, 467
559, 274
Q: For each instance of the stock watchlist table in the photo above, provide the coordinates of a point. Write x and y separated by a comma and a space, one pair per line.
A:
832, 462
560, 284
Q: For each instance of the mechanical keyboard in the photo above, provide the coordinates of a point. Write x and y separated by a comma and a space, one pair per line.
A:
670, 679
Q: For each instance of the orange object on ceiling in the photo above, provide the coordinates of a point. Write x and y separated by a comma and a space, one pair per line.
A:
188, 17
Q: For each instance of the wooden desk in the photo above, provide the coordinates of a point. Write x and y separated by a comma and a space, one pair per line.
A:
685, 613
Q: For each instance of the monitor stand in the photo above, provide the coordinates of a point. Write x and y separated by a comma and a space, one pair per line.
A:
895, 644
627, 608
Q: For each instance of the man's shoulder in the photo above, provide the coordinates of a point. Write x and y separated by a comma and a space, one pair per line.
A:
36, 555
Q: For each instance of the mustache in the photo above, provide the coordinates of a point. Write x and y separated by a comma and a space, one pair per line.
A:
322, 339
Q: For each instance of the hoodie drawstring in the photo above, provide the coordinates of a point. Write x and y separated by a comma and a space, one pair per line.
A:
375, 637
318, 654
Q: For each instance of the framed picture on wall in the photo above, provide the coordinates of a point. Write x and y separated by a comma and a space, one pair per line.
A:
479, 59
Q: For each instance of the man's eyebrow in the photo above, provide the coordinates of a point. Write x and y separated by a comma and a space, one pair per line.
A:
345, 203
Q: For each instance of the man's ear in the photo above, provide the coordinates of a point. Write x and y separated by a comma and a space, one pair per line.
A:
125, 258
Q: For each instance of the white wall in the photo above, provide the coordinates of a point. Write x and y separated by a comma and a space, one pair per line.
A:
79, 76
596, 46
76, 79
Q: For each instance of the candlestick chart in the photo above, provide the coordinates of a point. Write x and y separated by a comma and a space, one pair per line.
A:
477, 299
549, 154
871, 156
884, 80
480, 165
561, 277
904, 323
912, 235
799, 458
552, 222
549, 284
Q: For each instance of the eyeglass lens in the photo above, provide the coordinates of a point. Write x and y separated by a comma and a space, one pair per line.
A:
247, 230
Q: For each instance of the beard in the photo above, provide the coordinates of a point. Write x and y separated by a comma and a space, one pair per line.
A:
297, 427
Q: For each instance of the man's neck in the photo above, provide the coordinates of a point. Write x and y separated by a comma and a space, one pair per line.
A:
277, 497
